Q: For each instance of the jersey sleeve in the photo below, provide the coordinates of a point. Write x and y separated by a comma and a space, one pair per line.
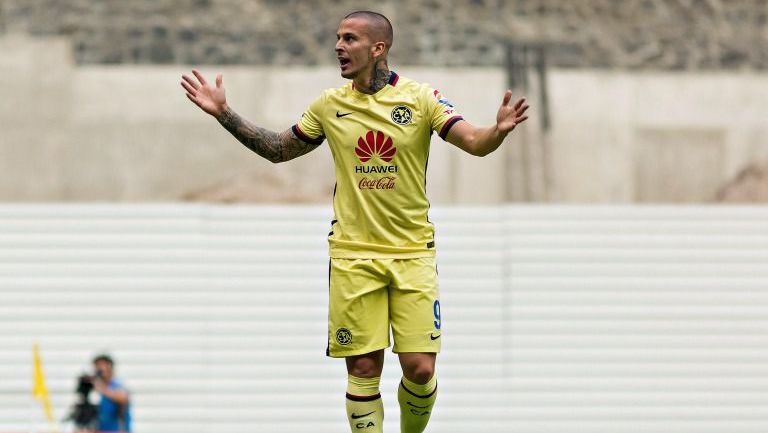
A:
442, 114
309, 129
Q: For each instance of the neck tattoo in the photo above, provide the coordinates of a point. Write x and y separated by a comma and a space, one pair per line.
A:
379, 77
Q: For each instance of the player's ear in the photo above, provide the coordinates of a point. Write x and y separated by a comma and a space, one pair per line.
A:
378, 49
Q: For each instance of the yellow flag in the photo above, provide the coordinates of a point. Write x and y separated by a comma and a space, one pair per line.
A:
39, 390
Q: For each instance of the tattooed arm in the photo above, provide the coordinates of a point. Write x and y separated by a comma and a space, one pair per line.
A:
268, 144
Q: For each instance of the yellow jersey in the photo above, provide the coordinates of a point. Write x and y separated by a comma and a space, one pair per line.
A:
380, 147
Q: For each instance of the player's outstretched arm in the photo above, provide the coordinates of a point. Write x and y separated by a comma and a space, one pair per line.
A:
276, 147
482, 141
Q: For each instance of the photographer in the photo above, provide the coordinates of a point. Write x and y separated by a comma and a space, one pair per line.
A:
114, 407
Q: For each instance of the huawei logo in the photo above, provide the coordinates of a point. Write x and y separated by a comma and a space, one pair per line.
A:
375, 145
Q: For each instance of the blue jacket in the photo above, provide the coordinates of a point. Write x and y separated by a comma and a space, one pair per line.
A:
112, 416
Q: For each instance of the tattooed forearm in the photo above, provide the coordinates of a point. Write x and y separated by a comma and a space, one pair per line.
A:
268, 144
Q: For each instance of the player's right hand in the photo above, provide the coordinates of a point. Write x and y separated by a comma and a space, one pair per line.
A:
210, 98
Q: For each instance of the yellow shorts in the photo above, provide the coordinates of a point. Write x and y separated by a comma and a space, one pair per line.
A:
367, 295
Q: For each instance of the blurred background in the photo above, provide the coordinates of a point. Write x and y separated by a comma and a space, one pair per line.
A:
603, 271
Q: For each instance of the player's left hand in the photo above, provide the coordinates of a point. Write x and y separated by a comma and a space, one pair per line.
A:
510, 116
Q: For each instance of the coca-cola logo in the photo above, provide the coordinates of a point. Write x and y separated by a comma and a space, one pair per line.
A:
386, 182
375, 143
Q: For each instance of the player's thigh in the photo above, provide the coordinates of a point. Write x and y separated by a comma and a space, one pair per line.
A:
414, 302
358, 308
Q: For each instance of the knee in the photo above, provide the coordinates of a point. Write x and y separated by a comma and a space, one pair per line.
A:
369, 365
363, 368
420, 373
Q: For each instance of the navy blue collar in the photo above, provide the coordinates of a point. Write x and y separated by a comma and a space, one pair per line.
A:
393, 77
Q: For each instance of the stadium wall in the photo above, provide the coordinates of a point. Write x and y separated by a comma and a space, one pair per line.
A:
127, 133
670, 35
568, 319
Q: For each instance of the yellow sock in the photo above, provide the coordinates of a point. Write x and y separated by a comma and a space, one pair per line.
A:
416, 403
365, 411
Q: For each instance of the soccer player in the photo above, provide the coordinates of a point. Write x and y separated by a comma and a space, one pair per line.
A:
382, 248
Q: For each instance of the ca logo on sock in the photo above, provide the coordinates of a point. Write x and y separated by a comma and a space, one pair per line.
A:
416, 411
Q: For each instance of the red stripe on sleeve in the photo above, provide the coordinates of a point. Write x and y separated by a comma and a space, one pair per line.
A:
305, 138
447, 126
